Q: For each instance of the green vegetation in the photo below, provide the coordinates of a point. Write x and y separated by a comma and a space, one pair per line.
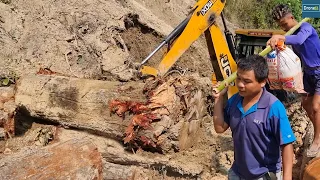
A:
257, 13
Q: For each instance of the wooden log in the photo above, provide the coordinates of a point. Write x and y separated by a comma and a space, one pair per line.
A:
73, 102
74, 159
121, 164
188, 169
312, 170
168, 118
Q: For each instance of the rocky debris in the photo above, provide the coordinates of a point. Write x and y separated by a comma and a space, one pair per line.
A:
159, 163
116, 171
7, 111
2, 134
223, 161
303, 130
299, 122
73, 159
42, 135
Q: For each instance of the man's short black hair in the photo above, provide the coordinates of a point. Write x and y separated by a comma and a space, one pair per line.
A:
256, 63
280, 11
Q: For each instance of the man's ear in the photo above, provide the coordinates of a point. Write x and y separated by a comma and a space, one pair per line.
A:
263, 83
292, 17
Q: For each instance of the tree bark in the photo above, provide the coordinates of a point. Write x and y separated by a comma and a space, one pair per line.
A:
76, 158
169, 117
77, 103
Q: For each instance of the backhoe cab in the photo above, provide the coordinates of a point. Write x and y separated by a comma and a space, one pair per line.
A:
253, 41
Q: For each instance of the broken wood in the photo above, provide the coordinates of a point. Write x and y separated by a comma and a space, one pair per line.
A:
159, 116
76, 158
7, 111
115, 156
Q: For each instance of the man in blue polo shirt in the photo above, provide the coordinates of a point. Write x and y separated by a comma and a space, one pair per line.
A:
306, 44
259, 124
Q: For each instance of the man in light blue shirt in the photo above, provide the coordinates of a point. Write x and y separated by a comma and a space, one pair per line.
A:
306, 44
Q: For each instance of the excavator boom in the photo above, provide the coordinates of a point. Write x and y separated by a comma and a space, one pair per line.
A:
201, 20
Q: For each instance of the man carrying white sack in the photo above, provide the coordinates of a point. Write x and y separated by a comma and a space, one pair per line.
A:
306, 44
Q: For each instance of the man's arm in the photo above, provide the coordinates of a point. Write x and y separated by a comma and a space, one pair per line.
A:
287, 161
219, 123
283, 132
300, 37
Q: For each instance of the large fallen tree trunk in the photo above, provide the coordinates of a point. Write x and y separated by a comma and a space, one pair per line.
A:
78, 103
163, 114
80, 155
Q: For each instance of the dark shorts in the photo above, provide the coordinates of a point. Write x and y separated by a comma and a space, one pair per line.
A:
311, 84
268, 176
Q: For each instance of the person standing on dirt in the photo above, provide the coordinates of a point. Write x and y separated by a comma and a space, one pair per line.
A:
306, 44
259, 124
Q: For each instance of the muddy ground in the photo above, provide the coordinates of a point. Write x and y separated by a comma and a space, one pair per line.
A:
104, 40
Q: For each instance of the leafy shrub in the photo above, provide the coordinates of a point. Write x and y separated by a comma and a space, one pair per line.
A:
257, 13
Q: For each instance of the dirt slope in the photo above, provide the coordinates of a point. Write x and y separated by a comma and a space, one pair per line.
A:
91, 38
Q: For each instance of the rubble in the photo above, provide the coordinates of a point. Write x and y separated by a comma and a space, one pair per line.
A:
42, 136
2, 134
7, 111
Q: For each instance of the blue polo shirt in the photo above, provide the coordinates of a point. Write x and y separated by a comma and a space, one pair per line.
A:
257, 135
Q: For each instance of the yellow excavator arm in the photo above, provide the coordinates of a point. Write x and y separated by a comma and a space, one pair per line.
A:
202, 19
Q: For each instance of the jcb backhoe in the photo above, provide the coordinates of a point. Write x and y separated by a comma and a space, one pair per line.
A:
223, 48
